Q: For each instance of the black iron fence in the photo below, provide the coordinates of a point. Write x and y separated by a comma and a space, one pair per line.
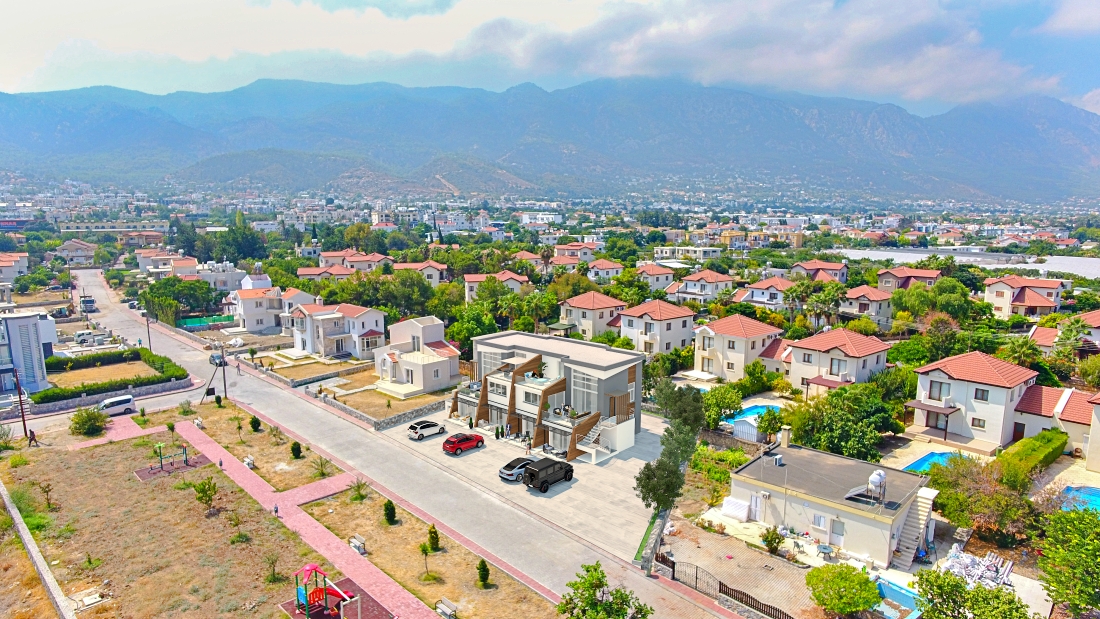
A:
706, 583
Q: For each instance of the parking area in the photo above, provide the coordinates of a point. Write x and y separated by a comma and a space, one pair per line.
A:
598, 505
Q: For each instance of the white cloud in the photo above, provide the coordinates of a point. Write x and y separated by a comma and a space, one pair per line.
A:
1074, 17
903, 49
1090, 101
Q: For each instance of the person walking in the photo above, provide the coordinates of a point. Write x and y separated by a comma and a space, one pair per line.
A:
239, 368
32, 439
276, 510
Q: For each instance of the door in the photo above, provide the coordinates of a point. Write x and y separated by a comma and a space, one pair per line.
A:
836, 534
408, 376
1018, 431
754, 507
938, 421
339, 345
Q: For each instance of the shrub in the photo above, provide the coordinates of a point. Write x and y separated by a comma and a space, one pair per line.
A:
87, 422
166, 368
483, 573
389, 512
17, 460
1032, 453
841, 589
254, 423
716, 465
296, 450
433, 538
772, 539
1089, 369
218, 401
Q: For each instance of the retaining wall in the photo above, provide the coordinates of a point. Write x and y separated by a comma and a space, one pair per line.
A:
53, 591
388, 422
92, 400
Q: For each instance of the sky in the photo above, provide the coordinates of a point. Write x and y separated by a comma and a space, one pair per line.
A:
925, 55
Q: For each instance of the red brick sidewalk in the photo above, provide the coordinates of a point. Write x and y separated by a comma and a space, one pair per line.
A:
118, 429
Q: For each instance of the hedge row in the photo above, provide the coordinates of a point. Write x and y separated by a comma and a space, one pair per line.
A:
167, 369
1037, 451
716, 465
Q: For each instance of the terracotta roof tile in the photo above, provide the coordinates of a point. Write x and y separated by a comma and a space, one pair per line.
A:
593, 300
778, 283
659, 310
1029, 298
775, 349
1092, 318
813, 265
978, 367
502, 276
706, 275
740, 294
1016, 281
441, 348
1043, 336
1069, 405
604, 265
872, 294
256, 293
653, 270
850, 343
741, 326
910, 272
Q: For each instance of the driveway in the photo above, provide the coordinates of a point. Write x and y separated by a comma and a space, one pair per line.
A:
599, 505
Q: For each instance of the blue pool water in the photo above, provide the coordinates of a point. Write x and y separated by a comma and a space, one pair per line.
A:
1085, 497
752, 411
924, 464
899, 595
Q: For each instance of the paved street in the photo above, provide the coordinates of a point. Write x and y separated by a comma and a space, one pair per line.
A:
537, 546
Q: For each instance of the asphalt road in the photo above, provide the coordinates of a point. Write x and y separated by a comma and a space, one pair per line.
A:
541, 550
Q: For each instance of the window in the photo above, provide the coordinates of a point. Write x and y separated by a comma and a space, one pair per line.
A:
938, 391
259, 321
878, 359
568, 313
601, 314
630, 322
837, 366
753, 345
981, 395
435, 373
819, 522
865, 364
807, 358
668, 345
999, 294
684, 324
708, 342
649, 347
668, 326
731, 345
648, 328
886, 283
490, 361
584, 314
729, 365
259, 303
530, 397
584, 392
977, 423
498, 388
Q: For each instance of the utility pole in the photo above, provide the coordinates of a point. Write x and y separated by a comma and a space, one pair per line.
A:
148, 332
19, 394
225, 364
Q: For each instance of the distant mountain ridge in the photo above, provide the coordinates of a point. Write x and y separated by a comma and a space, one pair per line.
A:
587, 138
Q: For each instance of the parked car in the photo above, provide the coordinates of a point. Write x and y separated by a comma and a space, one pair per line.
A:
122, 405
545, 473
132, 305
54, 287
513, 471
457, 443
421, 429
84, 337
218, 360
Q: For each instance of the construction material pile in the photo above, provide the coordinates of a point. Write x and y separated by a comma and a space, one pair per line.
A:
989, 572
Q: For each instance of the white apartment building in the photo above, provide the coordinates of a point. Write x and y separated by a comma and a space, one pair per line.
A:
702, 287
338, 330
657, 326
539, 218
417, 360
723, 348
590, 313
26, 339
657, 276
698, 254
835, 358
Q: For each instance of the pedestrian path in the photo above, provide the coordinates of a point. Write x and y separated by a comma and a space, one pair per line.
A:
118, 429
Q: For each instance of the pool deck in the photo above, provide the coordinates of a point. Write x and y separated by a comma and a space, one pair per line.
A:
1067, 471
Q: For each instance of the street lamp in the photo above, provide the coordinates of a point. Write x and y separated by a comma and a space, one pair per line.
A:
148, 332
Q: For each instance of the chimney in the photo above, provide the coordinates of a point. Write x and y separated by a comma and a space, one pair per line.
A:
319, 300
785, 436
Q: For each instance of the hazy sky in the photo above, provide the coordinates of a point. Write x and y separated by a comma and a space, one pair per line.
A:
923, 54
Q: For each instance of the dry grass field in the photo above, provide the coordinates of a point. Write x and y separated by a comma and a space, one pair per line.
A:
42, 296
73, 378
309, 370
374, 403
395, 550
22, 595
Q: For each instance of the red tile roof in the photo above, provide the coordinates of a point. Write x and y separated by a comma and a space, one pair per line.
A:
741, 326
335, 269
441, 348
775, 349
351, 311
564, 260
872, 294
526, 255
1043, 336
828, 383
850, 343
910, 272
1029, 298
370, 333
373, 257
1068, 404
1016, 281
594, 300
255, 293
739, 294
603, 264
420, 266
502, 276
673, 287
813, 265
1091, 318
823, 276
653, 270
778, 283
659, 310
706, 275
978, 367
615, 321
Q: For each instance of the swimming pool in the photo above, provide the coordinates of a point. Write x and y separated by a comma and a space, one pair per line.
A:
925, 462
753, 411
897, 601
1085, 497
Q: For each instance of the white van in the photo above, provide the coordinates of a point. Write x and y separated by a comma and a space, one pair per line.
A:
84, 337
122, 405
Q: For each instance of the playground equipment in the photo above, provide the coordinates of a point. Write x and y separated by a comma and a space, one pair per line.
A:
171, 458
317, 598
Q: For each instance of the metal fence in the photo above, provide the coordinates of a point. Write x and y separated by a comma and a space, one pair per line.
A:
706, 583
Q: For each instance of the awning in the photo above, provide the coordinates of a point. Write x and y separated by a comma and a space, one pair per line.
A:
828, 383
561, 326
699, 375
932, 408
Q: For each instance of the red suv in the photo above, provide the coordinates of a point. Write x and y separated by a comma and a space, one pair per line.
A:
456, 443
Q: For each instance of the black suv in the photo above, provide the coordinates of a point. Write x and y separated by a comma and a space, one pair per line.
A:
546, 472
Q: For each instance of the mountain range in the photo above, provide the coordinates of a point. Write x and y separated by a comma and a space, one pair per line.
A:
595, 137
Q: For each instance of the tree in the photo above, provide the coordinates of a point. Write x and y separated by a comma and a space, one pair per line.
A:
1089, 370
1020, 350
590, 597
720, 402
473, 320
771, 422
205, 492
389, 512
684, 404
272, 559
863, 326
433, 538
87, 421
570, 285
1071, 559
446, 301
482, 573
772, 539
425, 551
944, 595
841, 589
940, 336
1087, 301
296, 450
659, 483
254, 423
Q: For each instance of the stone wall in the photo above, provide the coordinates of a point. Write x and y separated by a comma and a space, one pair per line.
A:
53, 591
298, 382
723, 440
92, 400
388, 422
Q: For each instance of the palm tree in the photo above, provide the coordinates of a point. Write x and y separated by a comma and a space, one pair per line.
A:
546, 253
1070, 333
797, 295
512, 306
1021, 350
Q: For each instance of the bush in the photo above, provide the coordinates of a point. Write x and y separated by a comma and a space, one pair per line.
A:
1030, 454
17, 460
166, 368
254, 423
296, 450
389, 512
716, 465
1089, 369
483, 572
87, 422
772, 539
841, 589
433, 538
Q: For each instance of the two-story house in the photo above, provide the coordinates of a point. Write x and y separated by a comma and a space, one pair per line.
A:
512, 280
657, 276
702, 287
604, 270
867, 301
256, 309
900, 278
821, 271
657, 326
698, 254
583, 252
579, 398
76, 252
591, 313
725, 347
338, 330
431, 270
330, 258
417, 360
1025, 296
971, 399
336, 272
768, 292
367, 262
834, 358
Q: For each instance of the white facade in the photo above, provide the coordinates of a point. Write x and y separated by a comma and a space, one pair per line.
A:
417, 360
658, 326
26, 339
333, 330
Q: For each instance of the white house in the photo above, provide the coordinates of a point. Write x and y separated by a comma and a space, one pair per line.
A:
337, 272
835, 358
699, 254
657, 326
1025, 296
702, 287
512, 280
591, 313
1065, 409
971, 400
431, 270
903, 277
26, 339
367, 262
768, 292
417, 360
867, 301
821, 271
725, 347
76, 252
584, 252
256, 309
658, 277
604, 269
338, 330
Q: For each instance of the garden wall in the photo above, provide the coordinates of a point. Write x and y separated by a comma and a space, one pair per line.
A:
92, 400
388, 422
53, 591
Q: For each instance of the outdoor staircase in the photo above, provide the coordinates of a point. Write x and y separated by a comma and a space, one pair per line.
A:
592, 439
9, 403
913, 531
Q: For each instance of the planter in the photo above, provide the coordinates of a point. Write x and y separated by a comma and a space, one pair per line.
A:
764, 551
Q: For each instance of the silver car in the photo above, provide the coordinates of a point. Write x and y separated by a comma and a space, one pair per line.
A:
420, 429
513, 471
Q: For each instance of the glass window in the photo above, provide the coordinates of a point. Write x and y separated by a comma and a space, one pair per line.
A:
838, 366
732, 345
729, 365
819, 522
630, 322
584, 392
807, 358
938, 391
708, 342
668, 326
490, 361
530, 397
982, 395
977, 423
498, 388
